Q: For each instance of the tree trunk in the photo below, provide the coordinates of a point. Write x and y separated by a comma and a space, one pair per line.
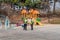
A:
48, 7
54, 7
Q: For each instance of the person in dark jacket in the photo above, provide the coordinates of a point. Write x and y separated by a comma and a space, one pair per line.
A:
25, 24
32, 22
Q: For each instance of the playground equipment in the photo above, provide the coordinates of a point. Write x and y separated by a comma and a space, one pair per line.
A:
24, 12
32, 13
37, 21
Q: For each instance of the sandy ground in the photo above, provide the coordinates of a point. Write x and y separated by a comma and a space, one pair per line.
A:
46, 32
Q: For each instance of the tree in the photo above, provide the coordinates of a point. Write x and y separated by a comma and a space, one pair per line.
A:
32, 3
14, 1
28, 3
23, 1
54, 6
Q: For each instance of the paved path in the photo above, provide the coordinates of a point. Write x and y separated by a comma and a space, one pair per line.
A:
47, 32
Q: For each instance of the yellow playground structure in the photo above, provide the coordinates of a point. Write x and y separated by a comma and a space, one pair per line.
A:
29, 14
32, 13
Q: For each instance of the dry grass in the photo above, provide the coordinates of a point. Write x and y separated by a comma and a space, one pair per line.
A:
55, 21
